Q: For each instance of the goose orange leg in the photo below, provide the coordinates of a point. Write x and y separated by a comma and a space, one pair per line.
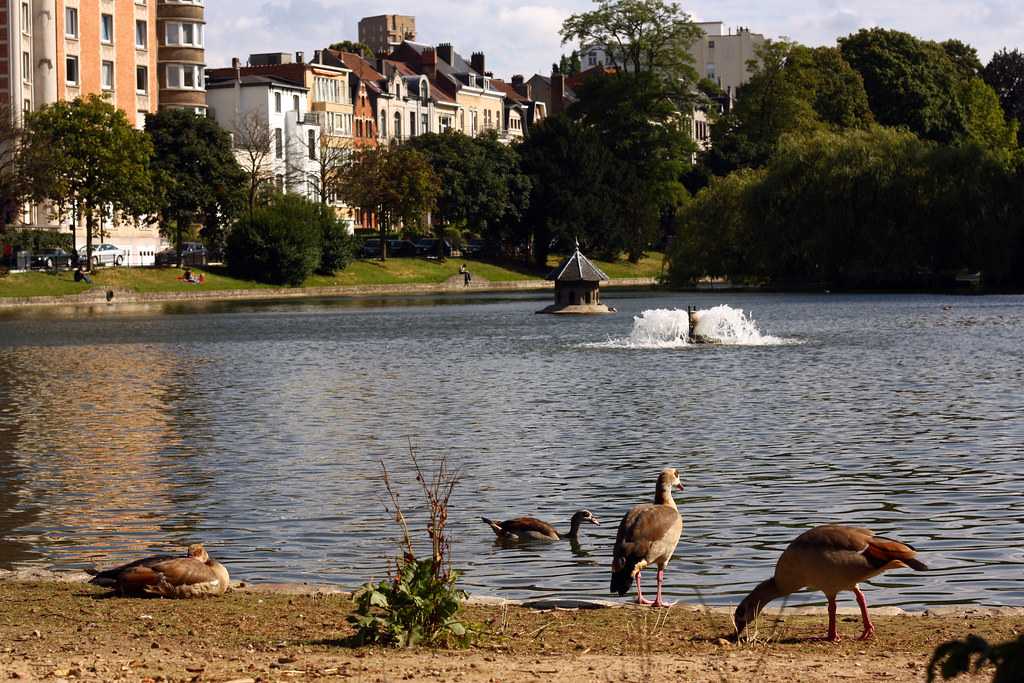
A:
869, 628
639, 594
658, 602
833, 634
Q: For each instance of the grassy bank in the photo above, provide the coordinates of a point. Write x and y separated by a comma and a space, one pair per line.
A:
360, 273
52, 630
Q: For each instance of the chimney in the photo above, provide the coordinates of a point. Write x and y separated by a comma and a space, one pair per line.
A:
318, 57
520, 85
446, 52
557, 92
429, 62
299, 56
236, 64
477, 62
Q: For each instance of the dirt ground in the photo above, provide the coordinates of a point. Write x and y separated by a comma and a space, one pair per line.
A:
76, 632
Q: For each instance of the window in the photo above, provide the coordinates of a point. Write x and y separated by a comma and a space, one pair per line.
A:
107, 28
412, 124
141, 34
277, 102
26, 18
711, 45
278, 143
474, 120
295, 103
184, 77
107, 75
26, 67
70, 22
398, 125
141, 80
424, 91
311, 143
383, 125
424, 124
71, 70
359, 128
27, 106
183, 34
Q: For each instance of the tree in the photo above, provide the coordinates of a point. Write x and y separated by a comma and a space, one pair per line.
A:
324, 176
361, 49
396, 182
198, 170
964, 58
570, 64
253, 140
1005, 74
909, 82
482, 186
834, 89
88, 161
13, 182
640, 36
985, 124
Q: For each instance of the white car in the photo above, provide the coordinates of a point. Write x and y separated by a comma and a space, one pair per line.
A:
105, 254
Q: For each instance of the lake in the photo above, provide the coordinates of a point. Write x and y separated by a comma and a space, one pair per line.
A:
258, 429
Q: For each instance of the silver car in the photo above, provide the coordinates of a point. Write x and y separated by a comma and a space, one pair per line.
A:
105, 254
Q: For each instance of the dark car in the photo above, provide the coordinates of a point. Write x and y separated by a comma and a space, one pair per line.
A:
192, 254
370, 249
474, 248
401, 248
429, 246
53, 258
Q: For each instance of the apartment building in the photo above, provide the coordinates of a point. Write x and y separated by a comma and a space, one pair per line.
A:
181, 56
54, 50
723, 57
385, 32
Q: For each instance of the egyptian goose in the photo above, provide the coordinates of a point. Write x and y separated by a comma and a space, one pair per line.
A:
829, 558
193, 575
530, 529
648, 534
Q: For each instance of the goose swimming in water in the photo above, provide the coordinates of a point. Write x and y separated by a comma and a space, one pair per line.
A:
531, 529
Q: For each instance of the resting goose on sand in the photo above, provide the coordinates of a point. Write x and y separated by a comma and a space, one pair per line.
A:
829, 558
530, 529
190, 576
648, 534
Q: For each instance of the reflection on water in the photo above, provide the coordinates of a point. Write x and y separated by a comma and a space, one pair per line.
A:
258, 428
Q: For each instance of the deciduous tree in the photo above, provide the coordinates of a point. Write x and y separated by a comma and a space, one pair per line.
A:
1005, 73
89, 161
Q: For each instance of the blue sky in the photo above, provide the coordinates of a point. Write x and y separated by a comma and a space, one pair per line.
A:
522, 37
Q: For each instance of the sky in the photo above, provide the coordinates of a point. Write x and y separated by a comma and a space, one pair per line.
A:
522, 36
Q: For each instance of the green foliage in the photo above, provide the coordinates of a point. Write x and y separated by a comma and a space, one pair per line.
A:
985, 124
570, 64
35, 240
973, 653
909, 81
1005, 73
85, 156
280, 243
862, 208
416, 607
482, 186
355, 47
338, 246
640, 36
198, 171
964, 58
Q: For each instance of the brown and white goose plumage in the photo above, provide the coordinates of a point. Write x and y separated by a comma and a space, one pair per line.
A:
193, 575
829, 558
531, 529
648, 534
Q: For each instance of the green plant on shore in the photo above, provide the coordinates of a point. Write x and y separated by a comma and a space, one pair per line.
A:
974, 652
419, 602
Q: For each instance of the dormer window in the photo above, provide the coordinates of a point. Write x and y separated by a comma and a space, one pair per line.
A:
424, 91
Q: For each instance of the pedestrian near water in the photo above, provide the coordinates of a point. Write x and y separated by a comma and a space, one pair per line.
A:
80, 276
466, 277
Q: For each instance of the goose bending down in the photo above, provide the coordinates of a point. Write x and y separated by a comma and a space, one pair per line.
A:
530, 529
192, 575
829, 558
648, 534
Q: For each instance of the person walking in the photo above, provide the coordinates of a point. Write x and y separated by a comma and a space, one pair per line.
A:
466, 277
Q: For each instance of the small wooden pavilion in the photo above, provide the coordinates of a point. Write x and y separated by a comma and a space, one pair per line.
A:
577, 286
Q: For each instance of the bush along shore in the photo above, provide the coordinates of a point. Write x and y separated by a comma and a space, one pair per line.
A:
52, 629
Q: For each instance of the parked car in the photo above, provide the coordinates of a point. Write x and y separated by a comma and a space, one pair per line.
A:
401, 248
53, 258
429, 246
370, 249
192, 254
474, 247
105, 254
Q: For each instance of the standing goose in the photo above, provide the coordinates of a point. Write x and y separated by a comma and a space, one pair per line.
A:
648, 534
530, 529
193, 575
829, 558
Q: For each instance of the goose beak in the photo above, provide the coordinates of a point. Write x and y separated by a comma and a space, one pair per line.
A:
594, 520
679, 486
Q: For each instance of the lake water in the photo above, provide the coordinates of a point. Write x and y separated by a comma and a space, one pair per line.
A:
258, 428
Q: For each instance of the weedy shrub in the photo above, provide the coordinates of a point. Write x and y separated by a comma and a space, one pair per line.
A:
419, 603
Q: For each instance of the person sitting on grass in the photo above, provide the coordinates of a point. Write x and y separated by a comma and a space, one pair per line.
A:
82, 276
190, 277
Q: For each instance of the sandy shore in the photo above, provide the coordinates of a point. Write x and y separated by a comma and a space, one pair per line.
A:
67, 630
